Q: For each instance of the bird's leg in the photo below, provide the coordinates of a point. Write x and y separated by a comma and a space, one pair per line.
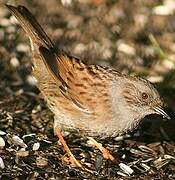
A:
105, 152
72, 159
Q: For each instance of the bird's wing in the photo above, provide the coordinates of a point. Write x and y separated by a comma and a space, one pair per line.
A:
86, 86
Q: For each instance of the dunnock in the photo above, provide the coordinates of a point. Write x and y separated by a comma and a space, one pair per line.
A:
95, 100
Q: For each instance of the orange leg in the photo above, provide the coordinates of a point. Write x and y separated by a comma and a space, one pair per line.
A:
105, 152
72, 159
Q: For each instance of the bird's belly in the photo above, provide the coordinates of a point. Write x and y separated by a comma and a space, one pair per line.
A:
68, 118
85, 124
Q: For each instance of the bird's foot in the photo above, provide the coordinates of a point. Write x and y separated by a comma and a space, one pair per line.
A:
105, 152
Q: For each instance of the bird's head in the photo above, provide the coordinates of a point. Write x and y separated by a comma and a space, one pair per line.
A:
141, 97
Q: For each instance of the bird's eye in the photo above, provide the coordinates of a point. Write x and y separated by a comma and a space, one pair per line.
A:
144, 96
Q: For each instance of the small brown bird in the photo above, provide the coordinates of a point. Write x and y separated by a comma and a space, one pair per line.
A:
94, 100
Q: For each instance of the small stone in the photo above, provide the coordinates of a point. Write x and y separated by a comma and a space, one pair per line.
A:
22, 153
18, 141
14, 62
168, 64
74, 22
2, 133
58, 33
141, 19
107, 53
167, 8
123, 156
31, 80
36, 146
41, 161
126, 168
155, 79
121, 138
22, 48
66, 2
2, 166
146, 167
126, 48
121, 174
19, 92
2, 142
36, 109
4, 22
79, 48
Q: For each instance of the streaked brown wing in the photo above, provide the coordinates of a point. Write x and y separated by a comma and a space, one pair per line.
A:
86, 86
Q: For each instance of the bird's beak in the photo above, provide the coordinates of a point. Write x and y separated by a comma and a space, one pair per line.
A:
160, 111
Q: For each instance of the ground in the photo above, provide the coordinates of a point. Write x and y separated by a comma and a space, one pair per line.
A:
135, 37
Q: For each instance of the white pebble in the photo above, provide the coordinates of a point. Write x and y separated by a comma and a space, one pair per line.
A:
36, 109
146, 167
19, 92
36, 146
14, 62
141, 20
121, 174
31, 80
22, 48
22, 153
126, 168
123, 156
79, 48
167, 8
18, 141
2, 133
2, 142
4, 22
66, 2
168, 64
155, 79
2, 166
121, 138
126, 48
41, 161
106, 53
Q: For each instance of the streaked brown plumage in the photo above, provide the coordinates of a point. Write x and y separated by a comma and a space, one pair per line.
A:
96, 100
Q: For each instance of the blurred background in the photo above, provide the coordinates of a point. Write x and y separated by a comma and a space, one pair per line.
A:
135, 37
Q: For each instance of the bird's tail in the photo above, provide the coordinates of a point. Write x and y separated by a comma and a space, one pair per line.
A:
31, 26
